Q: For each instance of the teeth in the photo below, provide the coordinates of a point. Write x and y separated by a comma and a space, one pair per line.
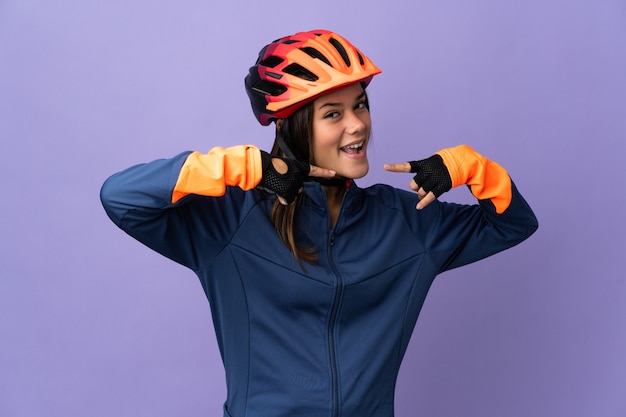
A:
355, 146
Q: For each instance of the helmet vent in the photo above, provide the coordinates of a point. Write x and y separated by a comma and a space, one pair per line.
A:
312, 52
300, 72
273, 75
269, 88
271, 61
290, 41
361, 60
342, 51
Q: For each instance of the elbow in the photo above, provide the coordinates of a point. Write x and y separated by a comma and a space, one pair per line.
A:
108, 200
106, 194
532, 226
527, 227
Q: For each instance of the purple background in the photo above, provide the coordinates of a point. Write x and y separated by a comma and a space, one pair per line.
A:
94, 324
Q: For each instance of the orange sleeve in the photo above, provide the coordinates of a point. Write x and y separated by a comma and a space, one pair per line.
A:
487, 179
209, 174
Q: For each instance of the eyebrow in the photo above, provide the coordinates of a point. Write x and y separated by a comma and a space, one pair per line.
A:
359, 97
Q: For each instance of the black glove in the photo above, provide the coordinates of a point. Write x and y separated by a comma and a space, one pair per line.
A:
432, 175
287, 185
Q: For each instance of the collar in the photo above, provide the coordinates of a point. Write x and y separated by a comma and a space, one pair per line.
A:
316, 196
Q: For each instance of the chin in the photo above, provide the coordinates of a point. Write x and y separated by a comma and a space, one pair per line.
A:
355, 174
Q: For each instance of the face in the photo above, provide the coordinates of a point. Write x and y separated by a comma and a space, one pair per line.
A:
341, 130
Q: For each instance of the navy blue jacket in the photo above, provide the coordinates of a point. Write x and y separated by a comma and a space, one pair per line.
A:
327, 340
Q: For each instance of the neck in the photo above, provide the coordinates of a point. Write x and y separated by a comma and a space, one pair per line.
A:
334, 192
334, 198
332, 182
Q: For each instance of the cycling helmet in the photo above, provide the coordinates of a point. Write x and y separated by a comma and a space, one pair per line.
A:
294, 70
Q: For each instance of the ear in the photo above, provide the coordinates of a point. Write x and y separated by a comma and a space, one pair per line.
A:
279, 124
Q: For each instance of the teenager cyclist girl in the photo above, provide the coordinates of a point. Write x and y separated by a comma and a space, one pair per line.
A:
315, 284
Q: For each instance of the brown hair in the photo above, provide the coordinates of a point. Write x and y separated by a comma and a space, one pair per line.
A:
298, 132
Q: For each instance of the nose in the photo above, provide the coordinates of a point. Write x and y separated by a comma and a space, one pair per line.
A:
354, 123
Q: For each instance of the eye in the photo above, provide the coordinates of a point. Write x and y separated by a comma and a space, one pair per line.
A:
360, 105
331, 115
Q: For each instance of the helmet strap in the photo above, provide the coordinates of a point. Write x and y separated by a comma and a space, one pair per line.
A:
281, 139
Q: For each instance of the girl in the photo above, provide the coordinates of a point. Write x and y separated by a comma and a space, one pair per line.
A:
315, 284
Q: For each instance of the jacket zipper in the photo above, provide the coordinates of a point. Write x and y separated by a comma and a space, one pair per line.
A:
332, 351
331, 329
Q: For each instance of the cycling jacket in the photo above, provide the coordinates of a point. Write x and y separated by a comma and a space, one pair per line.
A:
326, 339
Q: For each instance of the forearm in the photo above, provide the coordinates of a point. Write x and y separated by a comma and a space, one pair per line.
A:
501, 219
159, 184
482, 232
486, 179
209, 174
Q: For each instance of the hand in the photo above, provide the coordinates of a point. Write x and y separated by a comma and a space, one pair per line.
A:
284, 177
430, 181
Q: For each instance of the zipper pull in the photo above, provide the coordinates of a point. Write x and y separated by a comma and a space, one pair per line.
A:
331, 237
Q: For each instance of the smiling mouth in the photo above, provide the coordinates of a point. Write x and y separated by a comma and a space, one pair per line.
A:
355, 148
